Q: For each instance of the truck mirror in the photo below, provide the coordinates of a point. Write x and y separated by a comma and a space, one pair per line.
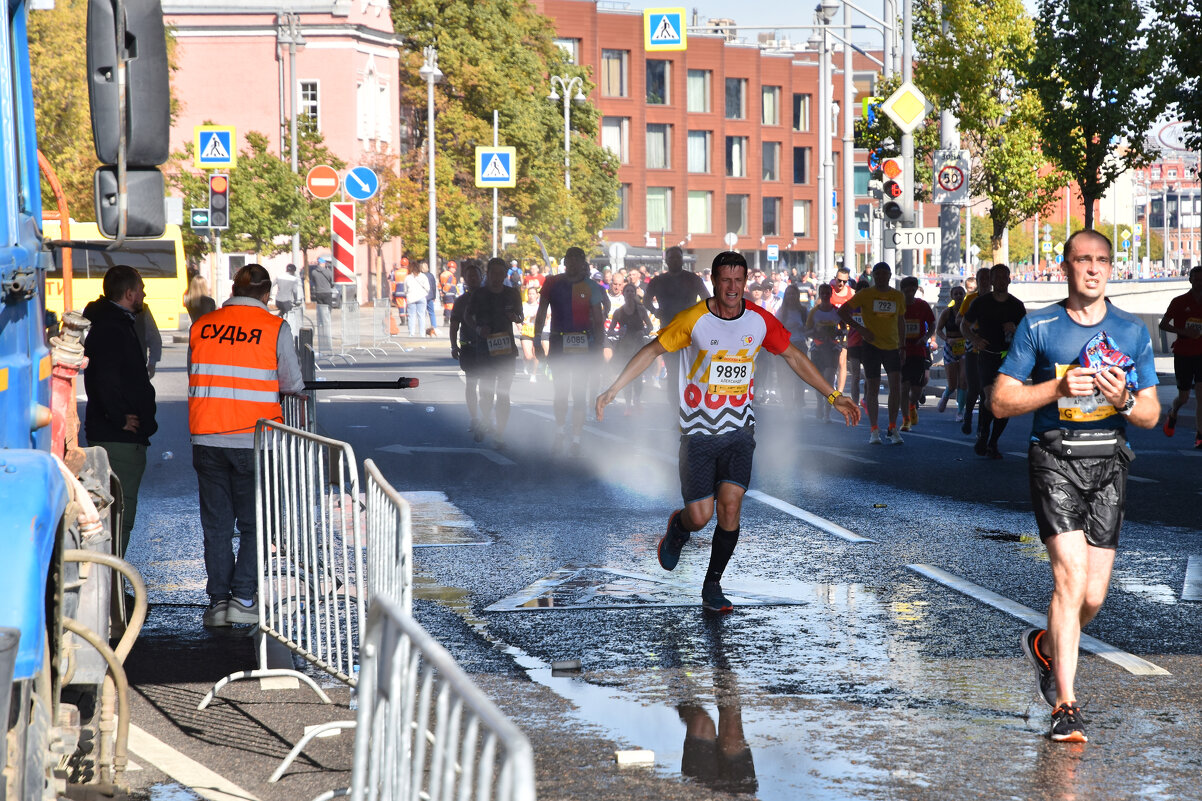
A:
144, 195
148, 113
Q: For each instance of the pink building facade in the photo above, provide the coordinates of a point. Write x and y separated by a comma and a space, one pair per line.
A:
234, 68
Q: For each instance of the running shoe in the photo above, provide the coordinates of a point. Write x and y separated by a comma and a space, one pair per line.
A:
1170, 424
966, 427
943, 399
1198, 441
959, 417
894, 437
913, 415
238, 612
214, 616
1067, 726
672, 542
874, 437
993, 453
574, 447
981, 447
905, 426
713, 600
1045, 680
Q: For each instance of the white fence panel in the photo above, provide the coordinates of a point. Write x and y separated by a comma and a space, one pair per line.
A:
425, 731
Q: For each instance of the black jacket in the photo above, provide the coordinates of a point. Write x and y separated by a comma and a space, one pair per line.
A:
115, 379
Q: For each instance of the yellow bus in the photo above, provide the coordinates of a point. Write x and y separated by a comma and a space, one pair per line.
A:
160, 262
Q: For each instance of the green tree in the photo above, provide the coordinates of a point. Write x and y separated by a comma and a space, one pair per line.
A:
973, 70
497, 54
1179, 26
1093, 65
266, 204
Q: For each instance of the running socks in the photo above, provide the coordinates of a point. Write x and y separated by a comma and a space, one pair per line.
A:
960, 398
720, 552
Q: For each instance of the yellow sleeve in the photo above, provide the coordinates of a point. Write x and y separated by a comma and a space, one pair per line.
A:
678, 334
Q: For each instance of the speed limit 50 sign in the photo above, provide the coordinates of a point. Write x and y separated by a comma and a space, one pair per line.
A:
950, 183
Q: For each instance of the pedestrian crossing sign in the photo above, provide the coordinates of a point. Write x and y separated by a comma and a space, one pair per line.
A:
496, 166
664, 29
215, 147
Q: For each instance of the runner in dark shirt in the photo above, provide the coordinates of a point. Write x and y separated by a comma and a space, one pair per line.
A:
990, 324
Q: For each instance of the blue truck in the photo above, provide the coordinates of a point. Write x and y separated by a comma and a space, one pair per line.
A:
66, 623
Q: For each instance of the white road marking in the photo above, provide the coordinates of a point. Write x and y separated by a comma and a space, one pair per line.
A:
406, 450
1192, 591
1129, 662
185, 770
808, 517
801, 514
1141, 479
940, 439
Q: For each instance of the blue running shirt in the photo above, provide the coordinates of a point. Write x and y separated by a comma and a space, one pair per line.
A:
1048, 343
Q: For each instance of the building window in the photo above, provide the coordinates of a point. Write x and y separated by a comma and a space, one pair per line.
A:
860, 179
659, 208
801, 112
770, 161
801, 165
1172, 173
659, 146
699, 91
614, 72
700, 215
770, 105
736, 157
736, 98
699, 151
659, 79
736, 214
571, 48
771, 216
308, 113
621, 220
374, 106
615, 137
801, 217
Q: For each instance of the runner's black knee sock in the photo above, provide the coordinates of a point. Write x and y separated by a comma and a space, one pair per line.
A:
999, 425
720, 552
984, 418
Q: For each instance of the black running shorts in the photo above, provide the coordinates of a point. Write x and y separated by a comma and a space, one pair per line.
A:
988, 365
912, 369
825, 356
1078, 495
872, 359
708, 460
1188, 371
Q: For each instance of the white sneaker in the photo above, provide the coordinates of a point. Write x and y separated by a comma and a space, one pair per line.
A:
894, 437
874, 438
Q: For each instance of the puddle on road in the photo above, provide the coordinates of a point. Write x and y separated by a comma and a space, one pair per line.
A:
814, 734
170, 791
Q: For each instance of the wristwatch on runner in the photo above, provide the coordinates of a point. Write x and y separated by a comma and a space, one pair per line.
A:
834, 396
1129, 405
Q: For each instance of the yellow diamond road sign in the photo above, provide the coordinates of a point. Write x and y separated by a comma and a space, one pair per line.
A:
907, 107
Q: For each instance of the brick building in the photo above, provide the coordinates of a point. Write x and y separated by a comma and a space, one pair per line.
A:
720, 138
233, 69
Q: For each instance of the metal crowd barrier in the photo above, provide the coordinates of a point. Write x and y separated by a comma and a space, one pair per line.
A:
389, 572
424, 730
311, 597
300, 411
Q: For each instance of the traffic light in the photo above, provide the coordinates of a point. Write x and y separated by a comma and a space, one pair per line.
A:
893, 171
219, 201
509, 234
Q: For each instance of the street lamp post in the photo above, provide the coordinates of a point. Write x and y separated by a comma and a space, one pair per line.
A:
432, 75
567, 83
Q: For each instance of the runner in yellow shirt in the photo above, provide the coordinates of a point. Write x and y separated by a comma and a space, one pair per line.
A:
882, 308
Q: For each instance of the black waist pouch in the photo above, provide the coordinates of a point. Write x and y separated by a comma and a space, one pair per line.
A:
1092, 444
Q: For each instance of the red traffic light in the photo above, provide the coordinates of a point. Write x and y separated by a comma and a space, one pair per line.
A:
892, 189
218, 183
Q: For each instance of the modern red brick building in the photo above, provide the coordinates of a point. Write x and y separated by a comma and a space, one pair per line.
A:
719, 138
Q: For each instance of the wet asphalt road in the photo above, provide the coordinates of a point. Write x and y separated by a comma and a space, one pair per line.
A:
862, 679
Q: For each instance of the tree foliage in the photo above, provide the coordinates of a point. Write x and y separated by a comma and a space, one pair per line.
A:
266, 204
497, 54
975, 69
1179, 26
884, 136
58, 69
1094, 68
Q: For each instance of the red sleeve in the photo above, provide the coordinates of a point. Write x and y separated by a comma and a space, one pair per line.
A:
776, 339
929, 316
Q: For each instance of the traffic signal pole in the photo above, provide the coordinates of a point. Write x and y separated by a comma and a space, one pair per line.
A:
949, 215
907, 140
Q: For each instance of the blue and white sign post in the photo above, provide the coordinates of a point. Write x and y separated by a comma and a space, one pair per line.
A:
361, 183
496, 166
774, 253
